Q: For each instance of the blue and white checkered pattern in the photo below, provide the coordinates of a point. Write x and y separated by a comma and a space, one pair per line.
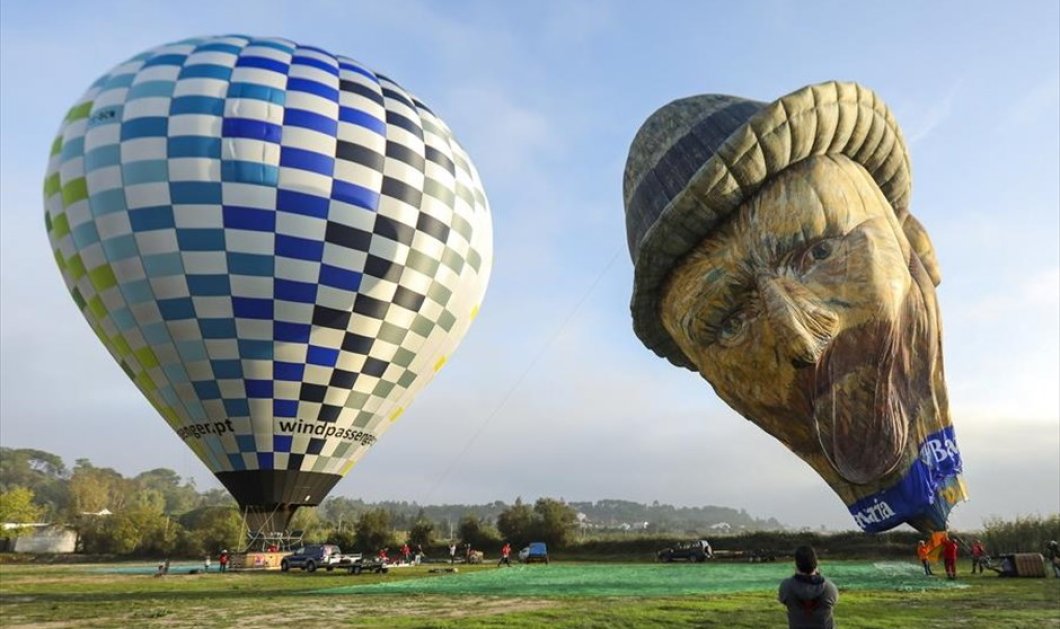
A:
279, 246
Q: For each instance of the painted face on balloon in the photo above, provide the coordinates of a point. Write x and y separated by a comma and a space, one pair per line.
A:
812, 315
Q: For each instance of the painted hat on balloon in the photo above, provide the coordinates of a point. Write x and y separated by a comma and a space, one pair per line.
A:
695, 160
278, 245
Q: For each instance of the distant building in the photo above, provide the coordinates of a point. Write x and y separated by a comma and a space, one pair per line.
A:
39, 538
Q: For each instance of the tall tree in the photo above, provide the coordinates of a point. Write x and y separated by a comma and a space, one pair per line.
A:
422, 530
476, 532
516, 523
556, 522
373, 530
17, 506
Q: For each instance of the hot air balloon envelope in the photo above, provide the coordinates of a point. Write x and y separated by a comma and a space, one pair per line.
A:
279, 246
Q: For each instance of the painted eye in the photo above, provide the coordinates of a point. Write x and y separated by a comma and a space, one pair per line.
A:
821, 250
731, 328
817, 252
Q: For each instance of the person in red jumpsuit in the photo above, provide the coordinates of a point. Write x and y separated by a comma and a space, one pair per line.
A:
949, 557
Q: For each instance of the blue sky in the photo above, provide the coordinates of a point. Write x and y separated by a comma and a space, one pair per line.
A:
551, 394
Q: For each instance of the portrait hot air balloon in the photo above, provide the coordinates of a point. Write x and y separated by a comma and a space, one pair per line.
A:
776, 255
279, 246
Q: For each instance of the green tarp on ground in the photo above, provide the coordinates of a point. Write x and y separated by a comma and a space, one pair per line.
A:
649, 580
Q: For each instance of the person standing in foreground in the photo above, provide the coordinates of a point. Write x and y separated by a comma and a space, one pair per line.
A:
808, 596
924, 554
949, 557
452, 552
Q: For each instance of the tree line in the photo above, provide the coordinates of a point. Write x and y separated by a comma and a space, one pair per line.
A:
159, 513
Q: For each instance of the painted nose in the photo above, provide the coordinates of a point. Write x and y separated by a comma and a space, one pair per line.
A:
804, 325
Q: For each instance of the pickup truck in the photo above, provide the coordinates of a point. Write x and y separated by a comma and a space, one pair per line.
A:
697, 550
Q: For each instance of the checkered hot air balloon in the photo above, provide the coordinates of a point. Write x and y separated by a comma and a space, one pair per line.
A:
279, 246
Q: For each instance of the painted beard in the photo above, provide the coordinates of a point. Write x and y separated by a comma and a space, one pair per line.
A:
866, 393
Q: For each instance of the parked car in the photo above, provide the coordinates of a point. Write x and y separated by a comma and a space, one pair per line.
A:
696, 550
311, 557
536, 551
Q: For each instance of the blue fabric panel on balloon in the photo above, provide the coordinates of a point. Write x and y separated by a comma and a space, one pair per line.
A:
145, 171
250, 172
120, 248
251, 308
363, 119
163, 264
285, 408
201, 239
206, 71
165, 60
256, 92
250, 264
300, 248
310, 120
322, 356
921, 492
237, 407
107, 202
208, 285
251, 219
193, 146
194, 192
179, 308
255, 350
252, 129
227, 369
288, 371
290, 290
150, 127
101, 157
151, 218
291, 332
282, 443
354, 195
301, 203
259, 388
207, 390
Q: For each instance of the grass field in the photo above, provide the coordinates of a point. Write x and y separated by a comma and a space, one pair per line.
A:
882, 595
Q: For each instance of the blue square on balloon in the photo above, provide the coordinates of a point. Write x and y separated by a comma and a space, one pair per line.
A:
246, 443
207, 390
251, 349
282, 443
322, 356
290, 332
177, 308
259, 388
227, 369
288, 371
289, 290
217, 328
265, 460
237, 462
252, 308
237, 408
339, 278
285, 408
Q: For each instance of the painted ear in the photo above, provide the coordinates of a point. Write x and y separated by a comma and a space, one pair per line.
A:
921, 244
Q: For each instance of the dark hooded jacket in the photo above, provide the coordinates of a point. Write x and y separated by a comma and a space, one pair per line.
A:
809, 599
